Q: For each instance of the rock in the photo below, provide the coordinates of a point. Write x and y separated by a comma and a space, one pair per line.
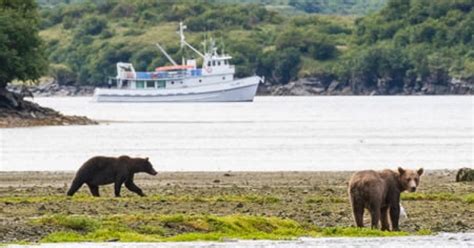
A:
465, 175
216, 181
239, 205
333, 86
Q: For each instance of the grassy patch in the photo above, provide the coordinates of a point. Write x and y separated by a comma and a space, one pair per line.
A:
357, 232
148, 228
77, 223
260, 199
468, 198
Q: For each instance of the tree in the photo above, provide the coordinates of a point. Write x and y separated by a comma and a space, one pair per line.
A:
21, 50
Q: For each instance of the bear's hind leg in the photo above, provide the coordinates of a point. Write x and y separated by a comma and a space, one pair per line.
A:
384, 219
358, 211
395, 216
75, 186
375, 215
94, 190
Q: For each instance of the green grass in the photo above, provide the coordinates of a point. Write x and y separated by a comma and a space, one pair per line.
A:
468, 198
252, 198
161, 228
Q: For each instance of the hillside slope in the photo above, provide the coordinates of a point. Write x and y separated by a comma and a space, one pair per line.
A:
408, 47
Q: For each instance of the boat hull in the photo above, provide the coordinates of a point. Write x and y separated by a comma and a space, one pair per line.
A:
242, 90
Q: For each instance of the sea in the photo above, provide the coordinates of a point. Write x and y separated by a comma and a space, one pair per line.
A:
324, 133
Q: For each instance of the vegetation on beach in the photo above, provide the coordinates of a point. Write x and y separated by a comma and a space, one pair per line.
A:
237, 198
259, 199
191, 206
143, 228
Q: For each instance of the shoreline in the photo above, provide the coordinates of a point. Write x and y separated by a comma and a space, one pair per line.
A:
309, 199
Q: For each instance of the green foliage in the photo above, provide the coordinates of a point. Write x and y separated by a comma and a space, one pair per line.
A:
62, 74
405, 44
414, 40
21, 50
337, 6
91, 37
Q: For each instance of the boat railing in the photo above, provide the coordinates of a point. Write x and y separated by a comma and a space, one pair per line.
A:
161, 75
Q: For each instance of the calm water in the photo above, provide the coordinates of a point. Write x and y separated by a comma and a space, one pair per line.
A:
272, 133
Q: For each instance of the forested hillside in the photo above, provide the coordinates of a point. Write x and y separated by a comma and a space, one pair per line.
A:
339, 7
399, 49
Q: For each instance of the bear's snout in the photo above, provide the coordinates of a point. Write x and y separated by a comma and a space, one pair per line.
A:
412, 189
153, 172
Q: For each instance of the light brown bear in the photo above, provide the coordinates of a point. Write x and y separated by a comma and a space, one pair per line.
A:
379, 192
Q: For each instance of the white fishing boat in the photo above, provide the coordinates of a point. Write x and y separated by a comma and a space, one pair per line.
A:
213, 82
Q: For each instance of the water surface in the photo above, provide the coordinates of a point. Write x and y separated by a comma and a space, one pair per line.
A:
272, 133
443, 240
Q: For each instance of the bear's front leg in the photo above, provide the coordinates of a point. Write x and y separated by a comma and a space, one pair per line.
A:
133, 187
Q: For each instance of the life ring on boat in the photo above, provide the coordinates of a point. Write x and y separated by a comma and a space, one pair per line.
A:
209, 69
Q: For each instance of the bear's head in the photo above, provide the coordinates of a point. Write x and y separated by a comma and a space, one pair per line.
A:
145, 166
409, 179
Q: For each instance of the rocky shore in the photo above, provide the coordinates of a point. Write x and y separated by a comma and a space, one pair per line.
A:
17, 112
51, 88
302, 87
320, 86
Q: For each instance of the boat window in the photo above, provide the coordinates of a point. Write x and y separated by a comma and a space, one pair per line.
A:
161, 84
150, 84
213, 63
200, 80
225, 62
181, 82
172, 82
223, 78
218, 63
139, 84
209, 63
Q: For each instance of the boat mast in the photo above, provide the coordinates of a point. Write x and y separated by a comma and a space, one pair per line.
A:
183, 41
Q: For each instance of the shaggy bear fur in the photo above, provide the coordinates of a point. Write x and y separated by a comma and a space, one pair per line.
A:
379, 192
106, 170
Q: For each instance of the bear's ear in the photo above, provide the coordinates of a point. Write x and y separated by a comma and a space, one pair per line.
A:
420, 171
146, 158
401, 170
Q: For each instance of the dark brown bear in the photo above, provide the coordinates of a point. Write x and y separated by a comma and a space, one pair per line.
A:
106, 170
379, 192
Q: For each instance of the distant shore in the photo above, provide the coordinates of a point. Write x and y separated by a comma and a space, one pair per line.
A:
311, 86
316, 199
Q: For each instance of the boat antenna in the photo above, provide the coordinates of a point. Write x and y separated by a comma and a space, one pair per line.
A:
184, 42
166, 54
223, 46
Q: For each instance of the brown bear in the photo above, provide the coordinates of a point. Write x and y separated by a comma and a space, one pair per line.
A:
106, 170
379, 192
